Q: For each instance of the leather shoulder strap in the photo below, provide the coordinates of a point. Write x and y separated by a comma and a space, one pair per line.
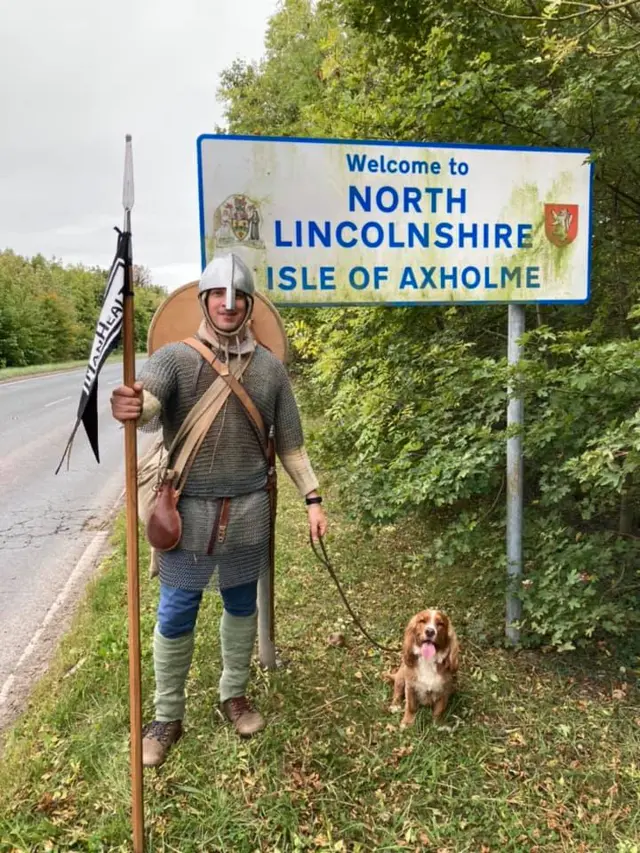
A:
238, 389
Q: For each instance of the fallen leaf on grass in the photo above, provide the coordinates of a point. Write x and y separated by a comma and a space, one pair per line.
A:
402, 751
516, 739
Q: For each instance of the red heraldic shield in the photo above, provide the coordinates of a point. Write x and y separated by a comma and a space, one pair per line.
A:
561, 223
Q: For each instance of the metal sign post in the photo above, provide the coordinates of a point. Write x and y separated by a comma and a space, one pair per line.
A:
515, 481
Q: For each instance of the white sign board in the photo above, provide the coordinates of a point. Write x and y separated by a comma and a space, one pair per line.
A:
338, 222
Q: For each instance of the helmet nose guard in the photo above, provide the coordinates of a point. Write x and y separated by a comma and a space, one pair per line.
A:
228, 273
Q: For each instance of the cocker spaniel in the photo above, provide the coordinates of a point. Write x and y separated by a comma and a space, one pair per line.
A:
426, 675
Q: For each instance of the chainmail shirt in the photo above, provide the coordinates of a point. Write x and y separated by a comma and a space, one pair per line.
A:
230, 463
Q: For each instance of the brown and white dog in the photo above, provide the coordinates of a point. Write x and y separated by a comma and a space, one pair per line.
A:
426, 675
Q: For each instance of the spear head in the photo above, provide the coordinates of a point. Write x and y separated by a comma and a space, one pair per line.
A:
127, 188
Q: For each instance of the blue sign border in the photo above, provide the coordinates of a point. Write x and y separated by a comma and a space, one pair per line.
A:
397, 144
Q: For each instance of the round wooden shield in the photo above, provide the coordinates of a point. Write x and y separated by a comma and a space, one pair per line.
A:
179, 316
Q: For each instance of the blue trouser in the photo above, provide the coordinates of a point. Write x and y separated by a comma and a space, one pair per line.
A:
178, 608
173, 644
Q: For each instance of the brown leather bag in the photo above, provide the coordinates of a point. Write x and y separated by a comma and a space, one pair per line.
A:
164, 525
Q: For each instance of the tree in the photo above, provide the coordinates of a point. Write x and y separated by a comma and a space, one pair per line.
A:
142, 276
48, 312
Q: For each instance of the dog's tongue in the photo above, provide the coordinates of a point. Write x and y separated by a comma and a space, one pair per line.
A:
428, 650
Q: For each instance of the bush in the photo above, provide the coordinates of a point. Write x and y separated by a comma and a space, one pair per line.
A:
413, 421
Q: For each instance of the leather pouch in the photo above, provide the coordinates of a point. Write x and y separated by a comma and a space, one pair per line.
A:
164, 525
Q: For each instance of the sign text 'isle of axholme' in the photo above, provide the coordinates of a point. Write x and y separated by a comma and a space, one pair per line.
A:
341, 222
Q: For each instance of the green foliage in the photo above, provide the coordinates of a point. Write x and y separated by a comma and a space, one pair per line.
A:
413, 422
407, 439
270, 97
412, 403
579, 585
147, 300
48, 312
582, 445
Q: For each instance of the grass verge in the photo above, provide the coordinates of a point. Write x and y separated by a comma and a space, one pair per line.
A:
8, 373
529, 758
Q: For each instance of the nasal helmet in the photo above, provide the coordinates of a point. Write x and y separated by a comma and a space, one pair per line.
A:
231, 274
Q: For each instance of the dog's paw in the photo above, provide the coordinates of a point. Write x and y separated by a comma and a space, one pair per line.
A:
405, 724
395, 709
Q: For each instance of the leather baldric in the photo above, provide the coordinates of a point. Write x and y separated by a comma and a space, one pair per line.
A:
238, 389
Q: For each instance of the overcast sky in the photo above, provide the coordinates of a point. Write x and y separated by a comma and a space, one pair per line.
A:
75, 77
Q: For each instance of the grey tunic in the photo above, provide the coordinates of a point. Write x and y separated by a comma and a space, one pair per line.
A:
230, 463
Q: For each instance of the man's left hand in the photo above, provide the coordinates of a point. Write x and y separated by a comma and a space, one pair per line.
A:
317, 521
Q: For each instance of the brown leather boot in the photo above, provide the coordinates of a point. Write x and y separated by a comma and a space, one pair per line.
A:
246, 720
157, 740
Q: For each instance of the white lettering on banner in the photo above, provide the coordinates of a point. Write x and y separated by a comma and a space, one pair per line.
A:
109, 324
340, 222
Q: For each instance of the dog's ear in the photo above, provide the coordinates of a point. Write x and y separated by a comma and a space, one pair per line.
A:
453, 654
408, 654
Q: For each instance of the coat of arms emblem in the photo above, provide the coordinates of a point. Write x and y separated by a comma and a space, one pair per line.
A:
561, 223
237, 221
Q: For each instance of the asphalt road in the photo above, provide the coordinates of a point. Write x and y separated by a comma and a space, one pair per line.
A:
53, 529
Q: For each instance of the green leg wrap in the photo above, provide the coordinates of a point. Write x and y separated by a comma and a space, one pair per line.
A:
237, 636
171, 660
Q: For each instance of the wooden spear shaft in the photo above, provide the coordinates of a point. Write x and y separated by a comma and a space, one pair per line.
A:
133, 579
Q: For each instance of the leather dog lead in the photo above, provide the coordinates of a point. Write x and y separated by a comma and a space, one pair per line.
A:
322, 557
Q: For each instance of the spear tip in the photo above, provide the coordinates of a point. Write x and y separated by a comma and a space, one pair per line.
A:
127, 191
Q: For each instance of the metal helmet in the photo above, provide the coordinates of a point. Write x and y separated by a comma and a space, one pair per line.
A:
230, 273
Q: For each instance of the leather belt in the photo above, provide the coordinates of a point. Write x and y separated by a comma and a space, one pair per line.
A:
220, 524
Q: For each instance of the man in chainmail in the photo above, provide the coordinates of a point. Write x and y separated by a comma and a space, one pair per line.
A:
229, 464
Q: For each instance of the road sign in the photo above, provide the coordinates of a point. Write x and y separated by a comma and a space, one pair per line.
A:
330, 222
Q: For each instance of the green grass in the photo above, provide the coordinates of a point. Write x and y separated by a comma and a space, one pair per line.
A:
533, 756
7, 373
34, 369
